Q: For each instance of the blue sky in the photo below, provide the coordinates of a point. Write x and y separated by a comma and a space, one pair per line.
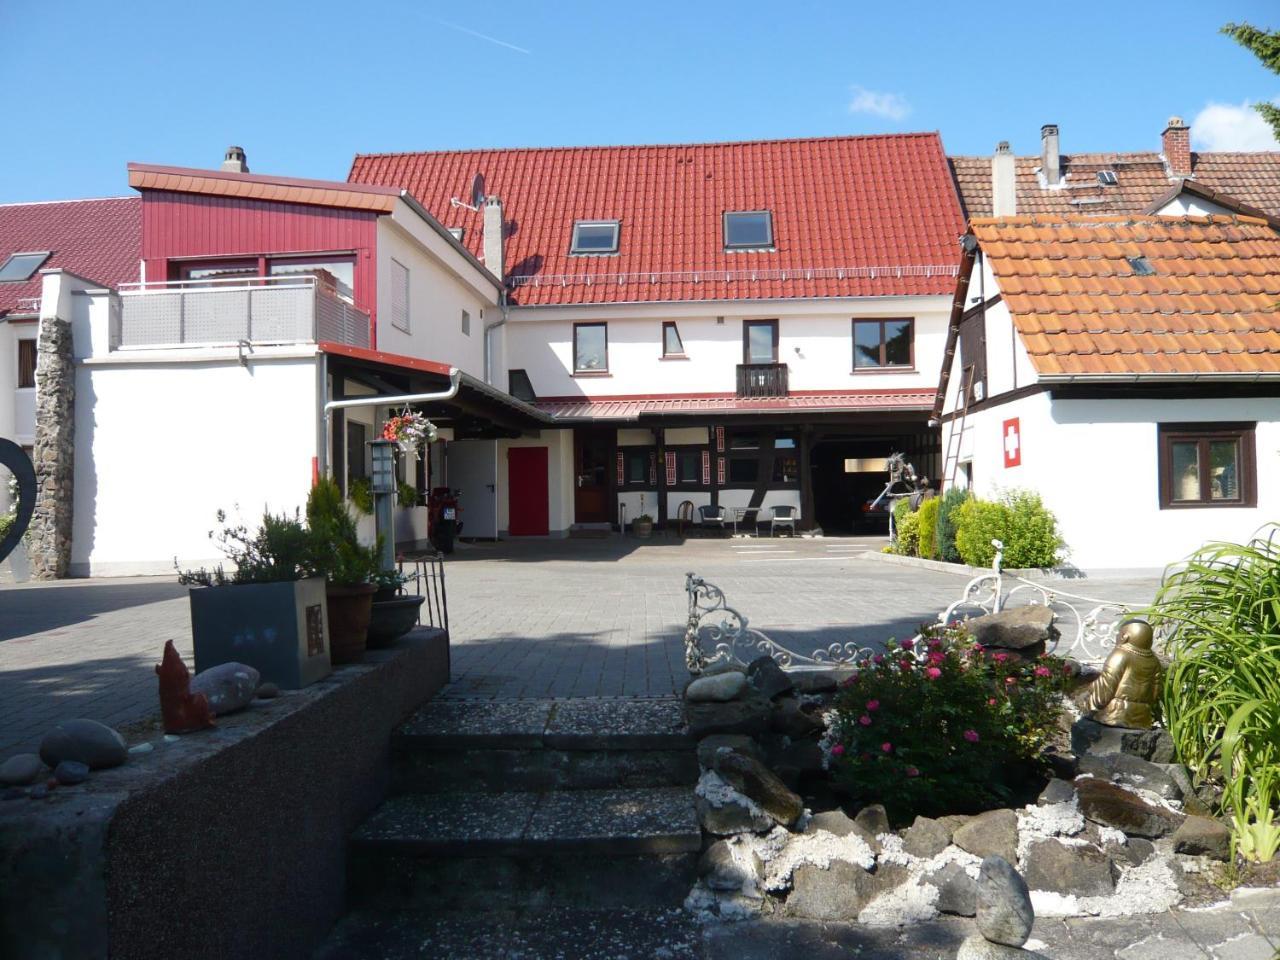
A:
303, 87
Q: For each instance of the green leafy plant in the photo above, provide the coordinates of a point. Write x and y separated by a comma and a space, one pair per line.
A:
406, 495
389, 579
906, 528
934, 729
335, 550
945, 534
361, 493
279, 550
643, 518
1019, 519
927, 520
978, 522
6, 521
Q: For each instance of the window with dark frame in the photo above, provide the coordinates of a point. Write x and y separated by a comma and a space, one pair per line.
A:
672, 345
520, 386
689, 466
759, 341
1207, 465
883, 344
594, 237
26, 364
590, 348
748, 230
635, 466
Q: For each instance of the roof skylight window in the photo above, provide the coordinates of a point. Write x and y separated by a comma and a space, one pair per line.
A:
1141, 266
748, 230
595, 237
1107, 178
21, 266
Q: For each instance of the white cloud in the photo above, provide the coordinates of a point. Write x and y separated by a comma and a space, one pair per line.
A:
893, 106
1228, 126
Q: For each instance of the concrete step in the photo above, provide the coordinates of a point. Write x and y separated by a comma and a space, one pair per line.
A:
594, 848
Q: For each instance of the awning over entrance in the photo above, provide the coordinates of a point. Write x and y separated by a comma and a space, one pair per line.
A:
569, 410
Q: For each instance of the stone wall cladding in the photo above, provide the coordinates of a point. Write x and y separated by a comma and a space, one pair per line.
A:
49, 547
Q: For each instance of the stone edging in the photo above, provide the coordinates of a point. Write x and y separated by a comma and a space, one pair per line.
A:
962, 569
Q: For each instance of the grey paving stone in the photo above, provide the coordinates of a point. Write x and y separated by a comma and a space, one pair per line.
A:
491, 824
656, 820
496, 723
603, 724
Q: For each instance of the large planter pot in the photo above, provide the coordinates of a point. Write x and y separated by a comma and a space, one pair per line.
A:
642, 528
279, 629
392, 619
349, 610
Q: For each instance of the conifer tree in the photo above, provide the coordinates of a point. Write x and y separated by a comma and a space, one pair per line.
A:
1265, 45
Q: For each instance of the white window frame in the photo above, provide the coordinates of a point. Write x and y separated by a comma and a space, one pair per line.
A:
577, 251
768, 244
399, 295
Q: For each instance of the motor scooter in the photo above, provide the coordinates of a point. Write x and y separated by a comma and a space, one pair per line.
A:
442, 518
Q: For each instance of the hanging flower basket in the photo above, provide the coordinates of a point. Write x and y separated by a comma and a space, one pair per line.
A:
410, 430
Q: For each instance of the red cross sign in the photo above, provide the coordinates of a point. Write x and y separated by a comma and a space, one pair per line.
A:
1012, 434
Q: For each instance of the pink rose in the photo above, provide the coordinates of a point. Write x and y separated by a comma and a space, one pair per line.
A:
878, 659
912, 772
908, 644
971, 736
1009, 681
873, 705
838, 750
933, 673
937, 658
905, 664
864, 720
1042, 671
886, 747
935, 645
1000, 657
991, 702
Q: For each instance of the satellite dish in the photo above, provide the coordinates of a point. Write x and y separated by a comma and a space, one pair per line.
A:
477, 190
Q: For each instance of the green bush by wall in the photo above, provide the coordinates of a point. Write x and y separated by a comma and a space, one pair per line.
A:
1019, 519
945, 536
927, 520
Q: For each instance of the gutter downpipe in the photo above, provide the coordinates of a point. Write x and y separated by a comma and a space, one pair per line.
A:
488, 351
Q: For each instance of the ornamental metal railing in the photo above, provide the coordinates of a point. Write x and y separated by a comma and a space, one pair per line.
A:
224, 312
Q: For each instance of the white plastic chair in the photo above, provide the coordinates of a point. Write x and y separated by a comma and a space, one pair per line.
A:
783, 517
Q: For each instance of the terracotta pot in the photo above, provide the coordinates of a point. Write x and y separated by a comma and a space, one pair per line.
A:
349, 610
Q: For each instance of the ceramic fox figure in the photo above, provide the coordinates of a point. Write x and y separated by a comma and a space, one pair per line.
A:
183, 711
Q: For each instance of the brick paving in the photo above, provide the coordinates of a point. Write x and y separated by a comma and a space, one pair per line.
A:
580, 618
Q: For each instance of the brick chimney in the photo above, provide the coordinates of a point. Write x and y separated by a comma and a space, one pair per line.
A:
1004, 182
235, 161
1049, 156
493, 236
1176, 145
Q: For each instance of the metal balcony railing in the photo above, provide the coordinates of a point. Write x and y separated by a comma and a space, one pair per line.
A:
762, 379
286, 309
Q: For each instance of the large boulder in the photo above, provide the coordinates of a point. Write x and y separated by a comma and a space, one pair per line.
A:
718, 688
94, 744
1004, 912
1113, 806
768, 678
1069, 869
957, 891
754, 780
1200, 836
1088, 736
228, 687
748, 714
925, 838
990, 834
1130, 771
1025, 630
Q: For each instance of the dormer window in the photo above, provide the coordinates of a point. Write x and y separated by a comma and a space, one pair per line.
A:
748, 230
1107, 178
21, 266
594, 237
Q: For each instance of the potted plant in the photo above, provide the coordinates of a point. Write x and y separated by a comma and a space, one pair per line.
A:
642, 526
394, 614
269, 612
348, 568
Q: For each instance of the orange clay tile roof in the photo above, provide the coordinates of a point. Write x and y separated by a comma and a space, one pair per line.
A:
1141, 179
1081, 307
252, 186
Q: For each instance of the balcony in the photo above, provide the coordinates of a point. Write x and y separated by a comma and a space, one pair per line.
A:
762, 380
260, 310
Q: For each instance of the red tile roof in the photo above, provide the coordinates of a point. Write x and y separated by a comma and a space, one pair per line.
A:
1141, 179
624, 408
100, 240
852, 216
1209, 306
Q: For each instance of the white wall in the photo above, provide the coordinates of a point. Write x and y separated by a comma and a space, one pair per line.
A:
1189, 205
560, 479
815, 341
1096, 464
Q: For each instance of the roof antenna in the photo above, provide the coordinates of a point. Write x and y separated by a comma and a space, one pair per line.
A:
477, 195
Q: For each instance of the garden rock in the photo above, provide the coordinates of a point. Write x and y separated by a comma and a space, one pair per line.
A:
20, 770
268, 691
839, 891
957, 891
768, 678
748, 714
1113, 806
228, 687
1088, 736
724, 811
1004, 913
721, 870
1025, 630
977, 948
70, 772
925, 838
1202, 837
990, 834
1069, 869
789, 717
719, 688
1130, 771
1135, 851
838, 824
802, 756
757, 782
1056, 791
817, 681
873, 819
86, 741
736, 742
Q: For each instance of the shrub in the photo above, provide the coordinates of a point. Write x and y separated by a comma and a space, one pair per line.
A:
927, 518
1221, 696
361, 493
406, 495
935, 730
1019, 520
6, 521
977, 523
906, 528
335, 550
945, 537
279, 550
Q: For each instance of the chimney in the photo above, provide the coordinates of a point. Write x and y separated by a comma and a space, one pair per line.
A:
1004, 182
234, 161
493, 236
1176, 144
1049, 156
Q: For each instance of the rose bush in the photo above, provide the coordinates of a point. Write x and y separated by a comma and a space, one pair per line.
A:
933, 727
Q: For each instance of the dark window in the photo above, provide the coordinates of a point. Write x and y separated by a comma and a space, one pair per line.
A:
760, 341
1107, 178
672, 346
595, 236
590, 348
21, 266
743, 469
356, 435
748, 230
1207, 465
689, 466
882, 343
26, 364
1141, 266
520, 386
635, 467
336, 274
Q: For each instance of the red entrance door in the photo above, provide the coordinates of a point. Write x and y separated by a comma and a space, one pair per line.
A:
527, 492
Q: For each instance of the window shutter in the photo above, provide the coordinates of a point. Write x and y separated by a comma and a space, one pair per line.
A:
399, 295
622, 476
719, 439
653, 469
706, 468
720, 471
671, 468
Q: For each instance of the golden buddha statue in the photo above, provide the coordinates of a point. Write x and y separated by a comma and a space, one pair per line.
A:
1129, 685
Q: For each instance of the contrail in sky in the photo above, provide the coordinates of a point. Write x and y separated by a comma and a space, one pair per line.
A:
483, 36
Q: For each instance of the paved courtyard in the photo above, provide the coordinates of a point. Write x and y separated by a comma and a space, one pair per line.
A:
577, 618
